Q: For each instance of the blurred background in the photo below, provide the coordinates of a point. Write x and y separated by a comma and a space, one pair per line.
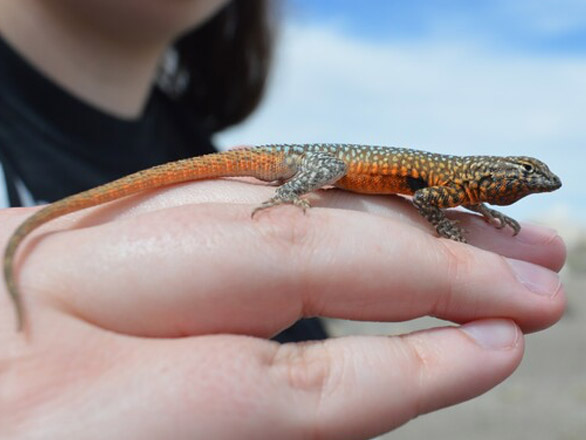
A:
502, 77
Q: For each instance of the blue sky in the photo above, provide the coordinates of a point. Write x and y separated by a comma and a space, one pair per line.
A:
495, 77
541, 26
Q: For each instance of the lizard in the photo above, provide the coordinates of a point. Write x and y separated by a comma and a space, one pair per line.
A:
435, 181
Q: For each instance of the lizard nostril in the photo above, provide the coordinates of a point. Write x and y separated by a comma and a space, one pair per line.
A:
556, 182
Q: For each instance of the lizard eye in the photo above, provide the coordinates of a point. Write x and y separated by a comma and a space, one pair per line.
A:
528, 167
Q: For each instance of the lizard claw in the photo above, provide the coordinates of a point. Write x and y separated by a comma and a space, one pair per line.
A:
499, 221
512, 223
262, 207
496, 218
301, 203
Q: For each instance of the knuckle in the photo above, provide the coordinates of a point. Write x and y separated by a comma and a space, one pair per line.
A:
297, 233
297, 240
421, 362
287, 226
306, 366
420, 359
456, 265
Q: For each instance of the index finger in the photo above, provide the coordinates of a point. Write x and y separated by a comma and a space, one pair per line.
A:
210, 269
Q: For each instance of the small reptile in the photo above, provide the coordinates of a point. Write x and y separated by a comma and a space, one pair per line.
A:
435, 181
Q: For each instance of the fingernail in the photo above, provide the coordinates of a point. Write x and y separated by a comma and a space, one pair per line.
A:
495, 334
536, 278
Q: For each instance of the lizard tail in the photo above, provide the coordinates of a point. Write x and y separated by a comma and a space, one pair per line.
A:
262, 163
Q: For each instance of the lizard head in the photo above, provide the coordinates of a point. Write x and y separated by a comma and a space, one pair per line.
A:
508, 179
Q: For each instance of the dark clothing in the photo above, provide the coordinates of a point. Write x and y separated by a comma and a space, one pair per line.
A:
310, 329
52, 144
59, 145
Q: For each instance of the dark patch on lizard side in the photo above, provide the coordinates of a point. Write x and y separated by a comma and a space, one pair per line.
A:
416, 183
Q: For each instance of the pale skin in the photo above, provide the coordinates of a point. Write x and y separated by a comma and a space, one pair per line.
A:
149, 317
187, 273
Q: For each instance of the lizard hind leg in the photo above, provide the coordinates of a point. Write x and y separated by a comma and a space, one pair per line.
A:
315, 170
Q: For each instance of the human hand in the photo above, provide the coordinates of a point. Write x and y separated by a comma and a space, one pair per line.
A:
141, 317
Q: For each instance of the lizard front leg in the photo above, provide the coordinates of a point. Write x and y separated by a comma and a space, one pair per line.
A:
314, 171
494, 217
430, 201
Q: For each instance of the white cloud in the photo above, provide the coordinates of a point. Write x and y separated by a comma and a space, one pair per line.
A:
445, 97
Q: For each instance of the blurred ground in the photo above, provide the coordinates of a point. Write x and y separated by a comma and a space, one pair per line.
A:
545, 399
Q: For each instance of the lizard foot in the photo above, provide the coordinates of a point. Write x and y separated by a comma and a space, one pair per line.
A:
499, 221
449, 229
496, 218
275, 201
